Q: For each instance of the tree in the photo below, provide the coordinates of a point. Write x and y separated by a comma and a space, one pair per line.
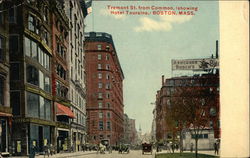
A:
190, 110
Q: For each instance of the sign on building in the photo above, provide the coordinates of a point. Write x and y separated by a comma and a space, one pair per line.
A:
195, 64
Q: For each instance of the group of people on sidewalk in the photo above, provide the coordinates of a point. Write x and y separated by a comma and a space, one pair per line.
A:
49, 150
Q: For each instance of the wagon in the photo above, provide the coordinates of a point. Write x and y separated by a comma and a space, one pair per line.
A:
146, 148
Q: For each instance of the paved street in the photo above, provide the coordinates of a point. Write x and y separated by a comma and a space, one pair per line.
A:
114, 154
132, 154
93, 154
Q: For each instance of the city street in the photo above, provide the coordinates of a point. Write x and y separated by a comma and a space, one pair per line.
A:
94, 154
132, 154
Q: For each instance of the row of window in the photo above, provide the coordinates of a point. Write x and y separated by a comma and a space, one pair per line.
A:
107, 86
38, 107
80, 118
99, 57
36, 77
193, 82
60, 71
34, 26
101, 125
34, 51
61, 90
99, 47
101, 114
200, 136
100, 105
77, 99
99, 66
61, 50
100, 95
100, 76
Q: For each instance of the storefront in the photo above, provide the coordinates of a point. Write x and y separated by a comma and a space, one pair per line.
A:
5, 123
39, 136
63, 116
63, 143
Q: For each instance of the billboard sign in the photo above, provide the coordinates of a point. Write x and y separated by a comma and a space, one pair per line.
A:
195, 64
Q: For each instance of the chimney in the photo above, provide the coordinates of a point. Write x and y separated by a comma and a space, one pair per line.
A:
217, 49
162, 79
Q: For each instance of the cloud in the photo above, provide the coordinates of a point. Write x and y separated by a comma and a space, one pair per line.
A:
105, 12
165, 23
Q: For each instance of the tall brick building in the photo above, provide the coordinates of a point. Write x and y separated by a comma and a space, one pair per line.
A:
105, 107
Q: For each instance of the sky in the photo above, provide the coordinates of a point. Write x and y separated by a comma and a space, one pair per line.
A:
145, 45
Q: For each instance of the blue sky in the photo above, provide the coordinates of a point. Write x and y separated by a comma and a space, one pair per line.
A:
146, 44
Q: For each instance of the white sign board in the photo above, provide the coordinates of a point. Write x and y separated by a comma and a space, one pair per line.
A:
195, 64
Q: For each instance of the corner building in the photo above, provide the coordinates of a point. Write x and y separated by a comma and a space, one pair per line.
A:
105, 109
206, 82
30, 75
5, 109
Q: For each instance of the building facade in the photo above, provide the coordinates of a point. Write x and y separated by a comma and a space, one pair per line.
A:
5, 109
42, 75
105, 107
129, 131
60, 77
160, 113
30, 76
207, 82
153, 127
76, 66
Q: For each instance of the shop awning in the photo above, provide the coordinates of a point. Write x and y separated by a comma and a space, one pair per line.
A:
64, 110
5, 114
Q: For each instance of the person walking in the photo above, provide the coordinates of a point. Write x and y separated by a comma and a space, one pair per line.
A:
32, 152
191, 147
216, 148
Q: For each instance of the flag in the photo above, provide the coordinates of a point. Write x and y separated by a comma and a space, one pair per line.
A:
89, 6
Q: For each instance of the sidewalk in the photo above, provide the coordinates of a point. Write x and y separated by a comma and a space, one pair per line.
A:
208, 152
60, 155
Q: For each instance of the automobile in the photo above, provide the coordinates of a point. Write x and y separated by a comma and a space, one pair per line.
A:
146, 147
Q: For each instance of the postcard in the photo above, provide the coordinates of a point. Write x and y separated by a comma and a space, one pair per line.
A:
124, 78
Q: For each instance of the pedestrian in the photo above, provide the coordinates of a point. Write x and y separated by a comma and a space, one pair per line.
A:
172, 147
191, 147
216, 148
110, 149
32, 152
177, 147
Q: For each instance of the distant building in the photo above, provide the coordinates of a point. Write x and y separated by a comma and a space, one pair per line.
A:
129, 130
105, 106
153, 127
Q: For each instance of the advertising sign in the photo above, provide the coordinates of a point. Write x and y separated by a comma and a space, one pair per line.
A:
195, 64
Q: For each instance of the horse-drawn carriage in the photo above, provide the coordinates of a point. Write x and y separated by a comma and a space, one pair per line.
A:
123, 148
147, 148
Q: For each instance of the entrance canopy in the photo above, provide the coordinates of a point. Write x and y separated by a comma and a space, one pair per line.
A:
64, 110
